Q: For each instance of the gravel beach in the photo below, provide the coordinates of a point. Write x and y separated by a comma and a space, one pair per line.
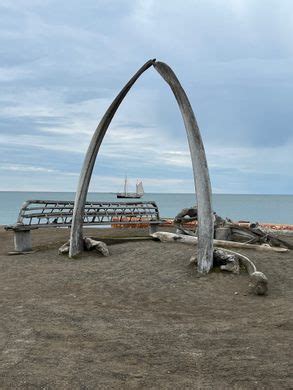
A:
140, 319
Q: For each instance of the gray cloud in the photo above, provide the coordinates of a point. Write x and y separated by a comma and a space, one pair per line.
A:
62, 63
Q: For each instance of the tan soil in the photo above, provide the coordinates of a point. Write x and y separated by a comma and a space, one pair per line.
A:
140, 319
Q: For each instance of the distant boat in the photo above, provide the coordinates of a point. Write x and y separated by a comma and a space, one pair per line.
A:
138, 194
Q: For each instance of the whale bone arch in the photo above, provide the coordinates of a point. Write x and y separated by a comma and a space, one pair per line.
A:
199, 164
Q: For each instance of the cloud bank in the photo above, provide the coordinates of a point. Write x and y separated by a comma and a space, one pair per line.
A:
61, 65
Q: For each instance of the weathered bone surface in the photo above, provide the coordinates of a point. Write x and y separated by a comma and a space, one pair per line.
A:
226, 261
258, 281
192, 240
200, 168
186, 214
88, 244
76, 236
64, 248
99, 246
225, 229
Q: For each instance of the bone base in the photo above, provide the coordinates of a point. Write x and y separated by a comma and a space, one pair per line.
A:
99, 246
89, 244
22, 241
258, 283
227, 262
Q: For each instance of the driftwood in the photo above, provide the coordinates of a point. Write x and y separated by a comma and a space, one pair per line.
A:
225, 229
89, 244
192, 240
255, 234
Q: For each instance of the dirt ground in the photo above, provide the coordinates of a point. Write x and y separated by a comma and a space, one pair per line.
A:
140, 319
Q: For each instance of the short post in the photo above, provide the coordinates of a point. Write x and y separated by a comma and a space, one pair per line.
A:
153, 227
22, 240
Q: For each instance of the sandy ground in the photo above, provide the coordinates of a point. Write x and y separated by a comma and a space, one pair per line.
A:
140, 319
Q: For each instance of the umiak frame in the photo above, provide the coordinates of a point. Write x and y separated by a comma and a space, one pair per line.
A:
199, 164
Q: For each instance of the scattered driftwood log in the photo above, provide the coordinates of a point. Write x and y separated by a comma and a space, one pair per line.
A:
89, 245
193, 240
226, 259
225, 229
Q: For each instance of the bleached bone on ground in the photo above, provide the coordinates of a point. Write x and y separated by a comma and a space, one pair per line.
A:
89, 244
64, 248
258, 283
191, 240
258, 280
99, 246
226, 261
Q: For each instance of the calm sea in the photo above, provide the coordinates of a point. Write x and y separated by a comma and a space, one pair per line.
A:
261, 208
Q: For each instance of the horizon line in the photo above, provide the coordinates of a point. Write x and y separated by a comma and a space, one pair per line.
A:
146, 193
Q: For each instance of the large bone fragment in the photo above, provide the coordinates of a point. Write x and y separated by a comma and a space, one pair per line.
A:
191, 240
258, 280
64, 248
227, 260
99, 246
200, 170
88, 244
76, 235
199, 163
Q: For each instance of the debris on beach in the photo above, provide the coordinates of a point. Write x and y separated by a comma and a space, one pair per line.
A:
99, 246
226, 259
226, 229
193, 240
228, 234
89, 245
258, 281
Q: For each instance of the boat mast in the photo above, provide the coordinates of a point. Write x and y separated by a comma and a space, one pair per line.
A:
125, 185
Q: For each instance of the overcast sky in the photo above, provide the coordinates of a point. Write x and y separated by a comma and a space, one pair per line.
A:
62, 63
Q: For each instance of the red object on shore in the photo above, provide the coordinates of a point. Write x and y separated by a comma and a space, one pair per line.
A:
193, 224
168, 222
129, 225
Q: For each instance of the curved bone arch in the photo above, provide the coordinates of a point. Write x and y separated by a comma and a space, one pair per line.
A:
199, 164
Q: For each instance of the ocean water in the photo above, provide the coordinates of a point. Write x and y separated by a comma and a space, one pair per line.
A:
261, 208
